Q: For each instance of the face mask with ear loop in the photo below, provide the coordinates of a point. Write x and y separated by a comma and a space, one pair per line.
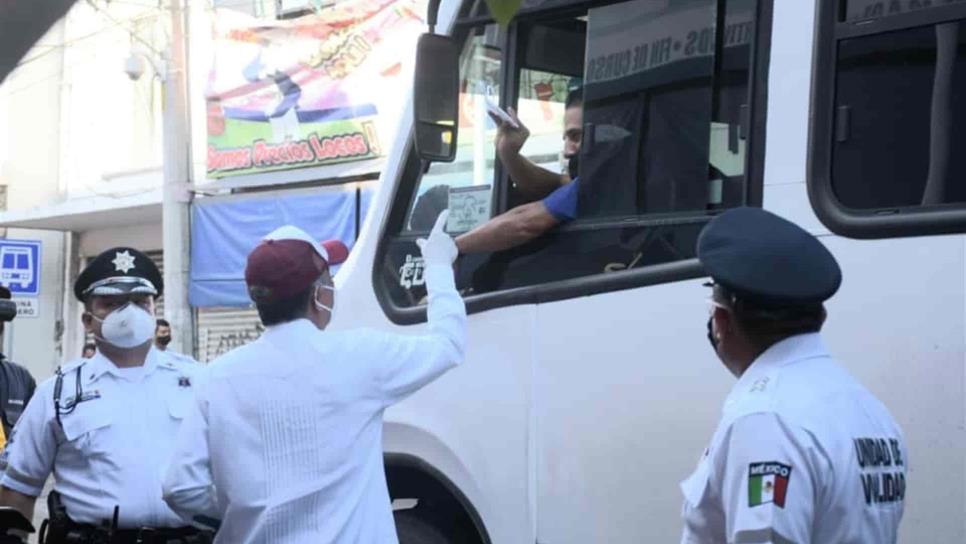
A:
712, 337
127, 327
315, 297
573, 165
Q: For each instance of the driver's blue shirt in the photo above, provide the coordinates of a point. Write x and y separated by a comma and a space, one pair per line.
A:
562, 203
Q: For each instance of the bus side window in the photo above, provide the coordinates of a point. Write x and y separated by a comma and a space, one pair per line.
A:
885, 150
550, 68
667, 93
664, 110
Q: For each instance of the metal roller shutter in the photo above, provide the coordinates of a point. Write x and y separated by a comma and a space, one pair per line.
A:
221, 330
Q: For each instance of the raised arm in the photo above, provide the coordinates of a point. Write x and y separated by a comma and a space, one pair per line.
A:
533, 181
409, 362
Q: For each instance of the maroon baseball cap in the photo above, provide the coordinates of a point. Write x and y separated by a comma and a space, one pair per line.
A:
287, 261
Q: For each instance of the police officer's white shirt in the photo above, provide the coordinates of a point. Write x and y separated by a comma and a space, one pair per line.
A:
803, 454
187, 359
284, 443
113, 447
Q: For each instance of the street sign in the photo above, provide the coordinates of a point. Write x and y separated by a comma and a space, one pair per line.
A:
20, 266
27, 307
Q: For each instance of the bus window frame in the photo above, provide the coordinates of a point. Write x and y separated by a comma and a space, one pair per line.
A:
598, 283
872, 223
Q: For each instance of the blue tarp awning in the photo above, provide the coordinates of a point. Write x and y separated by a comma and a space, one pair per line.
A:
224, 231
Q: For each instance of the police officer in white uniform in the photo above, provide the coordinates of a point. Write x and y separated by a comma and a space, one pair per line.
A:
284, 443
803, 452
105, 426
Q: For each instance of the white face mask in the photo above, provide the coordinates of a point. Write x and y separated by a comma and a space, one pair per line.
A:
315, 298
127, 327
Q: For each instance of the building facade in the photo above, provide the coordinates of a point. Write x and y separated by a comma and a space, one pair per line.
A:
82, 149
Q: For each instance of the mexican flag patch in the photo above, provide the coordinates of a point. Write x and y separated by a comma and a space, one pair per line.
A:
768, 483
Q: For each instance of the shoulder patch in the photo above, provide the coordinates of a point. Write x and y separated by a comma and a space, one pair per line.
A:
760, 385
768, 483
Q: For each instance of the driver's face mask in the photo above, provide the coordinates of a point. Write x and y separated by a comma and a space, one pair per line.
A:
573, 166
315, 298
127, 327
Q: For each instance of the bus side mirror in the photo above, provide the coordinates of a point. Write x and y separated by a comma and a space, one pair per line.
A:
436, 98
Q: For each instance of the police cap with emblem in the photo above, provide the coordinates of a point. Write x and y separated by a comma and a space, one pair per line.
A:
119, 271
766, 260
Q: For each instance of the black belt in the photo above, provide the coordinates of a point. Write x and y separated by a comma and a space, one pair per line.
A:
83, 534
179, 535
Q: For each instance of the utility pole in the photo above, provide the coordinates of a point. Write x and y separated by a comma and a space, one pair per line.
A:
177, 196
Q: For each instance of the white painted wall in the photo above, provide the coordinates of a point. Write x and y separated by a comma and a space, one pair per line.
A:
30, 166
111, 124
32, 151
74, 126
144, 237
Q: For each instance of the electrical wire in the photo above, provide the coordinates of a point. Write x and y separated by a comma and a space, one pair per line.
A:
72, 41
78, 59
31, 85
132, 33
155, 4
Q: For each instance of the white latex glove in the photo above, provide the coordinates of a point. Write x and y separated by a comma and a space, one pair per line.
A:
440, 247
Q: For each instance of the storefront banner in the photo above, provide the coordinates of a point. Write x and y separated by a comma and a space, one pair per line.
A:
307, 91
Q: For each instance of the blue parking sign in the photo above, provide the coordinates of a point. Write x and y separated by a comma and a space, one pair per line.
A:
20, 266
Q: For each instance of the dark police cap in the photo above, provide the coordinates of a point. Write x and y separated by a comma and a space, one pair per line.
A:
119, 271
765, 259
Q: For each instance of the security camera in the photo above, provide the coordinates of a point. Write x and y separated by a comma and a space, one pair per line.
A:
134, 67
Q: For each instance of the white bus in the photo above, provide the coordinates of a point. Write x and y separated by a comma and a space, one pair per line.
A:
589, 390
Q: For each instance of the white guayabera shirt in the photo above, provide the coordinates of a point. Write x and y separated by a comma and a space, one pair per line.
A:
284, 442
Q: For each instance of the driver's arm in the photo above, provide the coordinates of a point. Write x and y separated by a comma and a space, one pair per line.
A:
513, 228
533, 181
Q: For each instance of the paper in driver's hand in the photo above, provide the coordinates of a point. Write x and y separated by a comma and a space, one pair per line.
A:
499, 112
